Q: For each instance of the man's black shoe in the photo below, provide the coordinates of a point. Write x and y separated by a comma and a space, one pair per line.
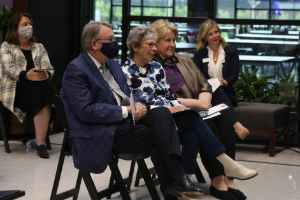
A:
184, 188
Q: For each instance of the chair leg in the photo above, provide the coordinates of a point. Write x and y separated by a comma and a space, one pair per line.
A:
272, 143
7, 149
130, 176
118, 178
287, 140
90, 185
57, 177
77, 186
148, 180
137, 178
112, 180
47, 139
199, 175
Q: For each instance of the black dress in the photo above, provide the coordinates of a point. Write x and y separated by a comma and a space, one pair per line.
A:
32, 96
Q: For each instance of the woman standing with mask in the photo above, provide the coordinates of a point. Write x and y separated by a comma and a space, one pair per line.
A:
23, 89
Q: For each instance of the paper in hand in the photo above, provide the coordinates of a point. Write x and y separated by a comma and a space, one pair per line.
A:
213, 111
215, 83
131, 100
217, 108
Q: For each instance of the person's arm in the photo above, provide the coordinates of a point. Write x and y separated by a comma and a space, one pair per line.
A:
8, 62
205, 86
203, 102
235, 70
45, 62
78, 94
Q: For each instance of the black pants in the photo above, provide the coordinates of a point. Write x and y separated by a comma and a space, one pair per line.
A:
223, 130
218, 97
193, 133
154, 135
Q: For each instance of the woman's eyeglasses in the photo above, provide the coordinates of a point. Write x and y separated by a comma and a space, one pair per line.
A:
151, 45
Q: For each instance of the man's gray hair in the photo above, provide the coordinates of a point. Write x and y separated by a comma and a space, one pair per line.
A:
92, 31
138, 35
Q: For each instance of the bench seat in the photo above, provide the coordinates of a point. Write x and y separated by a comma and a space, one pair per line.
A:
264, 118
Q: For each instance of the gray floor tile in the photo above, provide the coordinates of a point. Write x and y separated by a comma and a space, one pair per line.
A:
24, 170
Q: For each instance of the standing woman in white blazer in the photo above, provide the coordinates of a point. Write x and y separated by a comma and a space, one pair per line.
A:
25, 90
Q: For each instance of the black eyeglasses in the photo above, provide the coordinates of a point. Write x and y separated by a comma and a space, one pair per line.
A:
110, 39
151, 45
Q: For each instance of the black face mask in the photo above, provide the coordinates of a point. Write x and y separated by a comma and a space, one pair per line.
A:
110, 50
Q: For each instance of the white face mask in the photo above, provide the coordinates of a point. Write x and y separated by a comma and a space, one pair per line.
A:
25, 32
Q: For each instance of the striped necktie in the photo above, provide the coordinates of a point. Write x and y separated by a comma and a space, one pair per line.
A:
112, 83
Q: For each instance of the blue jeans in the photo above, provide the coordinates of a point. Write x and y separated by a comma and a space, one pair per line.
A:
193, 132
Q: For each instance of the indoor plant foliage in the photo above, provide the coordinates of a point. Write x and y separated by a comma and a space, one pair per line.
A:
287, 91
251, 88
5, 16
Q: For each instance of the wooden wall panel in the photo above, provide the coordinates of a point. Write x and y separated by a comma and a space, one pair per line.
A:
20, 6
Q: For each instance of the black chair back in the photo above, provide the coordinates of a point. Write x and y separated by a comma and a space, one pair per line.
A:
60, 109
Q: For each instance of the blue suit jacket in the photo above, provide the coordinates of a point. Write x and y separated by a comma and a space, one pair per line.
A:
230, 69
92, 111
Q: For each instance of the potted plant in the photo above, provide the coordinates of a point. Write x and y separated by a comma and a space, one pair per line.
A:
250, 88
5, 15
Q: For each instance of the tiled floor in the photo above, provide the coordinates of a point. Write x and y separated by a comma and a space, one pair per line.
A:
23, 170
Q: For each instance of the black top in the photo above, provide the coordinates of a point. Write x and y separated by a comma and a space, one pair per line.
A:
28, 56
30, 64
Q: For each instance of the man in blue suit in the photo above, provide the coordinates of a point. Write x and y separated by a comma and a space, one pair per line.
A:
93, 91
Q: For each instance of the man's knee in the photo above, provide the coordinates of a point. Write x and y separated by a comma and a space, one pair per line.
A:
162, 110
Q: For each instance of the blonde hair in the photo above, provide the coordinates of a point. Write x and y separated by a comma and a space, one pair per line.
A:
204, 28
163, 27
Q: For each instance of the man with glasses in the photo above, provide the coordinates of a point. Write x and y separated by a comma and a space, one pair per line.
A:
95, 95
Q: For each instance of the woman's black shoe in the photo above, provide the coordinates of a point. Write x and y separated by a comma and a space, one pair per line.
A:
184, 188
225, 195
238, 194
42, 151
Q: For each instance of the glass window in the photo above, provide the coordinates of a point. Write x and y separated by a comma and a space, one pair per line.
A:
258, 9
252, 14
102, 10
225, 9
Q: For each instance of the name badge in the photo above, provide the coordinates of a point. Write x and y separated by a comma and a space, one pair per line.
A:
205, 60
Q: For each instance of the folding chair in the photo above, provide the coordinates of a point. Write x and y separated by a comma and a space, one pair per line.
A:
5, 123
156, 182
118, 186
11, 194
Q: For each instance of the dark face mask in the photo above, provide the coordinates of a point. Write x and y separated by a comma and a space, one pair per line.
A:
110, 50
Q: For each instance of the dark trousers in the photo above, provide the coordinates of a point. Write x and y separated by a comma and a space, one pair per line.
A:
154, 135
193, 133
223, 130
218, 97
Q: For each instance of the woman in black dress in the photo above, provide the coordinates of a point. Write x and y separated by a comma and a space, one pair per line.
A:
24, 90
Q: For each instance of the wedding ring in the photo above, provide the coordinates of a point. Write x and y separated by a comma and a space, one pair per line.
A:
182, 110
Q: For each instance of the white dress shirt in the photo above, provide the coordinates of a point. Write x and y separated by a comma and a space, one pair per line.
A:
124, 109
215, 70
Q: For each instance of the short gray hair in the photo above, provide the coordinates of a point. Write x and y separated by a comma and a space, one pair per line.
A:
138, 35
92, 31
